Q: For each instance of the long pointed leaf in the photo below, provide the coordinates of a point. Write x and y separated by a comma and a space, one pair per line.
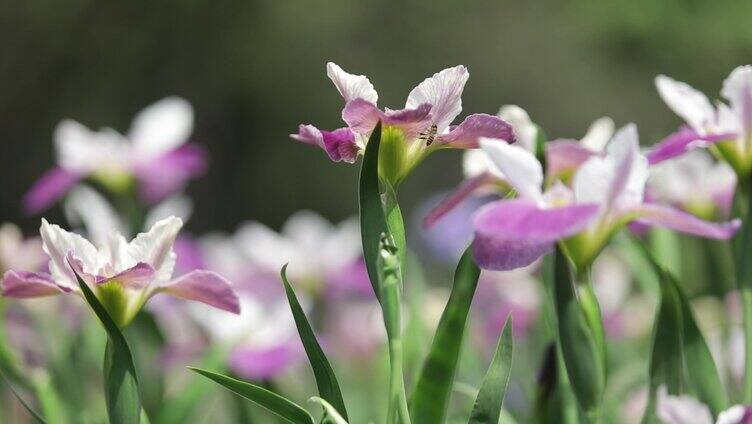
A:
326, 381
273, 402
120, 381
487, 409
37, 417
431, 395
372, 218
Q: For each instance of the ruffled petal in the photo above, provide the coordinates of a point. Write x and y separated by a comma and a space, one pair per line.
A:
162, 126
206, 287
48, 189
21, 285
443, 91
351, 86
511, 234
155, 247
362, 116
339, 144
683, 141
168, 173
59, 244
467, 134
665, 216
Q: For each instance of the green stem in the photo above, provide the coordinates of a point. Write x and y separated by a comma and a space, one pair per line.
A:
743, 266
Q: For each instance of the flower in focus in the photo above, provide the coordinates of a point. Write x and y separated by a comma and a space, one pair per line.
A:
154, 153
683, 409
606, 193
123, 275
727, 127
409, 134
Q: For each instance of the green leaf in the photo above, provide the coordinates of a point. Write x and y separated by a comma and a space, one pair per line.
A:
273, 402
37, 417
431, 395
326, 381
372, 218
146, 352
490, 398
396, 224
331, 416
582, 356
120, 381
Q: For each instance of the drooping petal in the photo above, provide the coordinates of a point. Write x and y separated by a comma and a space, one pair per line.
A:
564, 155
665, 216
58, 244
168, 173
206, 287
155, 247
351, 86
48, 189
443, 91
525, 130
162, 126
339, 145
19, 284
467, 134
362, 116
520, 167
690, 104
598, 134
683, 141
513, 233
737, 88
456, 197
135, 278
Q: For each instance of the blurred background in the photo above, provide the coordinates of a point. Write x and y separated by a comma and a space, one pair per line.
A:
254, 70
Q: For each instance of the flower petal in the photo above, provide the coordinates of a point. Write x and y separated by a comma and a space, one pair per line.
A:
525, 130
85, 206
21, 285
737, 88
168, 173
456, 197
339, 144
443, 91
598, 134
263, 363
564, 155
520, 167
59, 244
683, 141
681, 409
49, 188
513, 233
665, 216
162, 126
206, 287
135, 278
467, 134
362, 116
155, 247
351, 86
690, 104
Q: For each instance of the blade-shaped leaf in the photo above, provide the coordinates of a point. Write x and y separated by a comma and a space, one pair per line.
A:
273, 402
372, 218
120, 381
490, 398
326, 381
37, 417
395, 223
431, 395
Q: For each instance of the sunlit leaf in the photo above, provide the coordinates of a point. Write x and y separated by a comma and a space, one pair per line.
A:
372, 218
490, 398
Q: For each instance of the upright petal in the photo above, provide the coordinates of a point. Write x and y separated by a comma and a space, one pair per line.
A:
681, 142
205, 287
513, 233
82, 151
665, 216
339, 144
162, 126
631, 168
443, 91
351, 86
598, 134
467, 134
690, 104
85, 206
58, 244
19, 284
520, 167
155, 247
48, 189
737, 88
524, 128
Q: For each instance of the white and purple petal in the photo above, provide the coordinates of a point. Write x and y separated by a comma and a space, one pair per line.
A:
136, 277
49, 188
339, 145
362, 116
467, 134
683, 141
468, 187
168, 173
351, 86
443, 91
206, 287
690, 104
521, 168
666, 216
19, 284
564, 155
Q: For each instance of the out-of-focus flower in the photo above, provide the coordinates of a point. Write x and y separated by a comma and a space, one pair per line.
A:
728, 127
409, 134
606, 193
564, 156
695, 183
19, 253
123, 275
684, 409
154, 153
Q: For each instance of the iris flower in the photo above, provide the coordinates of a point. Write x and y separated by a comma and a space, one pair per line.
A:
606, 193
409, 134
123, 275
154, 153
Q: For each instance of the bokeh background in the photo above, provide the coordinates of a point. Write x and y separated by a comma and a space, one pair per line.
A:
253, 70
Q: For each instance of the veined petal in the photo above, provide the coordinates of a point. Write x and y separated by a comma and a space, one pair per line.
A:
683, 141
162, 126
665, 216
168, 173
351, 86
155, 247
362, 116
443, 91
465, 190
513, 233
565, 155
49, 188
135, 278
520, 167
598, 134
21, 285
339, 145
737, 88
206, 287
690, 104
58, 244
467, 134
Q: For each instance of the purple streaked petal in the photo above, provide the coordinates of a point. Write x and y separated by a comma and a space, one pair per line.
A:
21, 285
167, 174
49, 188
205, 287
511, 234
666, 216
466, 134
681, 142
263, 363
564, 155
443, 91
339, 144
459, 195
362, 116
136, 277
